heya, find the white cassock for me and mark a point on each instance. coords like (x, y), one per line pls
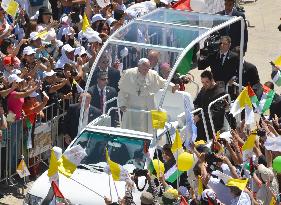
(137, 92)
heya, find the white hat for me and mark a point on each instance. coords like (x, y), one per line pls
(13, 78)
(65, 20)
(67, 31)
(110, 20)
(28, 51)
(34, 36)
(59, 43)
(94, 38)
(97, 17)
(80, 51)
(68, 48)
(51, 35)
(48, 74)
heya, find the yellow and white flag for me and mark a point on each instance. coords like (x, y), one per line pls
(10, 6)
(250, 142)
(118, 172)
(177, 146)
(56, 154)
(85, 23)
(242, 102)
(70, 159)
(22, 169)
(239, 183)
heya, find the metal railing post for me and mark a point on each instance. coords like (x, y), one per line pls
(210, 113)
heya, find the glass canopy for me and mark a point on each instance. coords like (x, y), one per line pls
(174, 34)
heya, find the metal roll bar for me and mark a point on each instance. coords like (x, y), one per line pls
(204, 121)
(107, 102)
(210, 113)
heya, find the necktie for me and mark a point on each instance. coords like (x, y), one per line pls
(221, 59)
(101, 99)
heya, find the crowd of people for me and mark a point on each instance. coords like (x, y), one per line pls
(46, 60)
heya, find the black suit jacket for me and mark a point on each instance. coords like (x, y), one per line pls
(220, 72)
(95, 101)
(234, 31)
(113, 78)
(250, 74)
(71, 119)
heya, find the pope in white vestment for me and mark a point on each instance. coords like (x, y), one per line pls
(137, 89)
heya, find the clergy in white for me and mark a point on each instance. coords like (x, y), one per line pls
(137, 89)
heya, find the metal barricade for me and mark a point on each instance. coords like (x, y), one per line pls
(14, 142)
(226, 96)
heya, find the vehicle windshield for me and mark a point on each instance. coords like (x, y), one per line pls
(122, 150)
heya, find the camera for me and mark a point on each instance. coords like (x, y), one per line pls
(219, 106)
(211, 45)
(211, 158)
(140, 172)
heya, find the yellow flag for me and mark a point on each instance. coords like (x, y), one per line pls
(200, 186)
(42, 34)
(22, 169)
(115, 168)
(218, 135)
(273, 201)
(158, 119)
(53, 166)
(70, 159)
(250, 143)
(239, 183)
(278, 61)
(244, 99)
(85, 23)
(12, 8)
(177, 145)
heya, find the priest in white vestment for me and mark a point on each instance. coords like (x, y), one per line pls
(137, 89)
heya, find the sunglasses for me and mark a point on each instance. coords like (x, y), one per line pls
(103, 79)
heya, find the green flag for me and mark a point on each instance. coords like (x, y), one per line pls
(185, 65)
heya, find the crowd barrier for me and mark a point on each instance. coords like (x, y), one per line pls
(15, 138)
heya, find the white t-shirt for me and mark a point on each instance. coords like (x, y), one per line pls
(243, 199)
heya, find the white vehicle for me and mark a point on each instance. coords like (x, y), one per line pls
(124, 146)
(173, 33)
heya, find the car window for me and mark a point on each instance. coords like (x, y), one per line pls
(122, 150)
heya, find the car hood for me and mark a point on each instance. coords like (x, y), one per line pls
(78, 188)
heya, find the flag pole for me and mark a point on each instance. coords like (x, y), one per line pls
(116, 190)
(87, 187)
(23, 170)
(109, 187)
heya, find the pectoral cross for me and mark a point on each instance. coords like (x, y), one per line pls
(139, 92)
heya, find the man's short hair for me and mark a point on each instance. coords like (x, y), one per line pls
(227, 38)
(207, 74)
(269, 84)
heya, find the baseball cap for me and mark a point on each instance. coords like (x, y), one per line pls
(13, 78)
(110, 20)
(34, 36)
(80, 51)
(28, 51)
(68, 48)
(67, 31)
(97, 17)
(48, 74)
(7, 60)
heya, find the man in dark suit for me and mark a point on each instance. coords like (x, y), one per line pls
(234, 30)
(100, 94)
(113, 74)
(250, 74)
(208, 93)
(71, 119)
(224, 63)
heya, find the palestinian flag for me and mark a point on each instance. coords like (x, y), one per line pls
(253, 97)
(182, 5)
(266, 99)
(172, 174)
(156, 167)
(276, 77)
(59, 198)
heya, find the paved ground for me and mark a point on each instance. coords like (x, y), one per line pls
(264, 45)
